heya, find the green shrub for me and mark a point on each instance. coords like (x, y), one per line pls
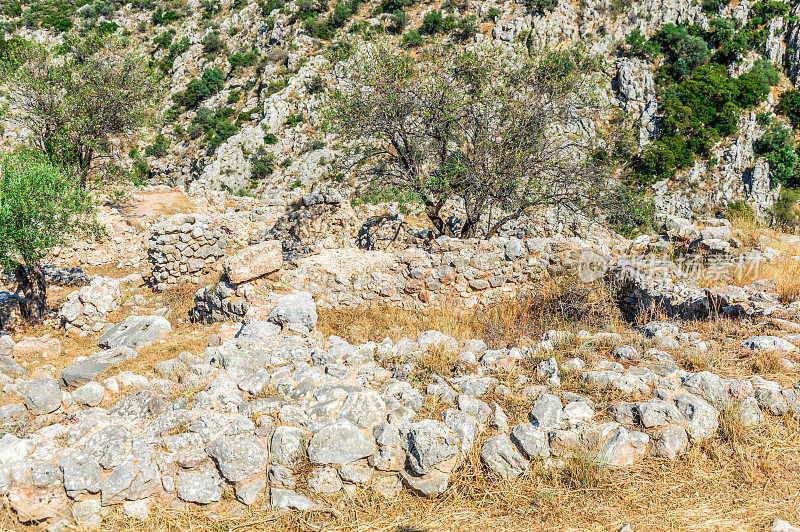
(541, 6)
(315, 85)
(740, 210)
(234, 96)
(777, 145)
(262, 164)
(398, 22)
(433, 22)
(211, 82)
(213, 44)
(270, 139)
(789, 106)
(158, 148)
(375, 194)
(224, 130)
(294, 118)
(241, 60)
(412, 39)
(786, 210)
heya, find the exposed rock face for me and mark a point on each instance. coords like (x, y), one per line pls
(739, 175)
(636, 92)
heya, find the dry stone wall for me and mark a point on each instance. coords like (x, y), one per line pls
(184, 247)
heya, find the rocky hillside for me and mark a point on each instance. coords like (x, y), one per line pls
(244, 82)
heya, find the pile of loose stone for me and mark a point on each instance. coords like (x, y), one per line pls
(86, 310)
(184, 247)
(270, 397)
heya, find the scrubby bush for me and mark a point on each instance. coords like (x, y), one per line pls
(294, 118)
(158, 148)
(412, 39)
(414, 118)
(786, 210)
(789, 106)
(41, 207)
(210, 83)
(777, 145)
(262, 164)
(241, 60)
(213, 44)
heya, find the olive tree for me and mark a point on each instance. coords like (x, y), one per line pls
(40, 208)
(503, 133)
(76, 105)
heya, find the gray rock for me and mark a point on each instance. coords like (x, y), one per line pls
(259, 330)
(81, 475)
(87, 514)
(135, 332)
(339, 443)
(295, 309)
(625, 352)
(660, 329)
(428, 444)
(238, 457)
(324, 480)
(44, 473)
(287, 445)
(465, 427)
(657, 413)
(201, 487)
(669, 442)
(708, 386)
(92, 366)
(703, 419)
(281, 477)
(474, 407)
(254, 261)
(90, 394)
(136, 478)
(502, 458)
(768, 343)
(546, 411)
(248, 492)
(498, 420)
(779, 525)
(532, 441)
(514, 249)
(290, 500)
(41, 396)
(431, 485)
(364, 409)
(9, 367)
(624, 448)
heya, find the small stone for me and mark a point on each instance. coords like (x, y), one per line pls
(90, 394)
(546, 411)
(324, 480)
(669, 442)
(339, 443)
(502, 458)
(290, 500)
(41, 396)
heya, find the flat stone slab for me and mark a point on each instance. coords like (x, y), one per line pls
(254, 261)
(136, 332)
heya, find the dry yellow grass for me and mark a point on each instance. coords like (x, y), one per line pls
(713, 487)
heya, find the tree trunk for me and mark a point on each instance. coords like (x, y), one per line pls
(469, 227)
(32, 282)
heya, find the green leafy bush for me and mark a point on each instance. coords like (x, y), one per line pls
(270, 139)
(158, 148)
(294, 118)
(786, 210)
(211, 82)
(777, 145)
(241, 60)
(262, 164)
(412, 39)
(213, 44)
(789, 106)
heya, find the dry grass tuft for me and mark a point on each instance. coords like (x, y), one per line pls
(583, 472)
(732, 427)
(766, 362)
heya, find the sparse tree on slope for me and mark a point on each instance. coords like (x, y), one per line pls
(40, 208)
(502, 136)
